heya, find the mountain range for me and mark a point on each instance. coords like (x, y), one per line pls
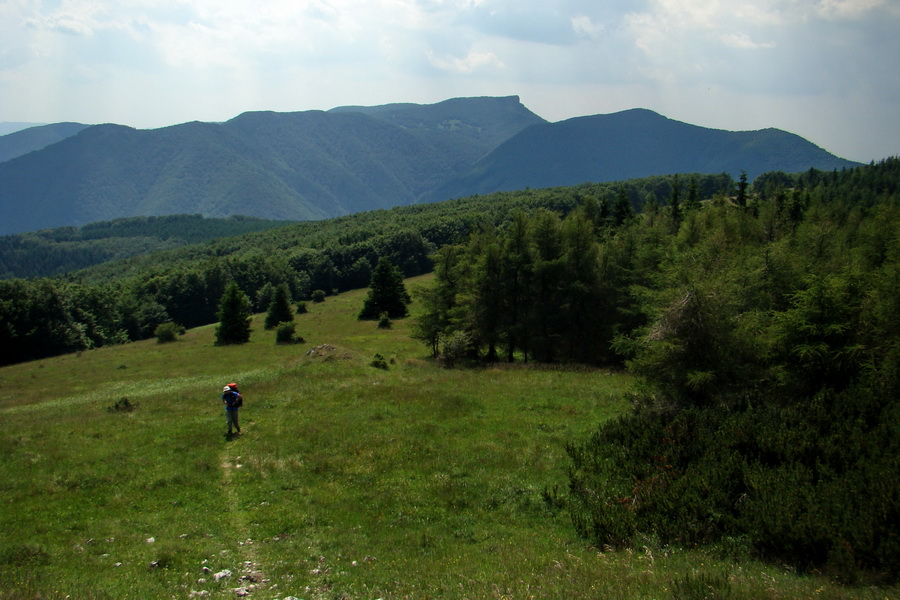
(321, 164)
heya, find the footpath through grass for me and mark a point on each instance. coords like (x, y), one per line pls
(348, 481)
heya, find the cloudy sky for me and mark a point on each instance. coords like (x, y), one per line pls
(825, 69)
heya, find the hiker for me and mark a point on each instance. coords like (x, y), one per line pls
(232, 400)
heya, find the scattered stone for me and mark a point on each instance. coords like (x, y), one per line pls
(154, 564)
(201, 581)
(320, 350)
(223, 574)
(150, 540)
(118, 564)
(241, 592)
(201, 593)
(206, 569)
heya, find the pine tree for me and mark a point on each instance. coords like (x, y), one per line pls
(675, 202)
(280, 310)
(742, 190)
(693, 199)
(622, 209)
(387, 294)
(234, 316)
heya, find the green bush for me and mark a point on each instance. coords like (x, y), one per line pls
(122, 405)
(318, 296)
(286, 333)
(168, 332)
(455, 348)
(384, 321)
(379, 362)
(809, 487)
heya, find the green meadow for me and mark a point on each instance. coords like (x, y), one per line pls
(348, 481)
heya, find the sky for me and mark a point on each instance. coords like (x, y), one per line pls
(828, 70)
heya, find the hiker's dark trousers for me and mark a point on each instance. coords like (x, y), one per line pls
(231, 419)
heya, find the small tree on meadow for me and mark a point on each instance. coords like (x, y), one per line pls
(234, 316)
(387, 293)
(280, 310)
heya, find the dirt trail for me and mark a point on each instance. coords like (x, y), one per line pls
(251, 577)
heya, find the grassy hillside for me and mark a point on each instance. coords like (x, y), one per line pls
(348, 482)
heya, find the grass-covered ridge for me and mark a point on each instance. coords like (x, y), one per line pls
(349, 481)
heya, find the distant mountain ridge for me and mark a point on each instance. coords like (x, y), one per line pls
(320, 164)
(7, 127)
(632, 144)
(34, 138)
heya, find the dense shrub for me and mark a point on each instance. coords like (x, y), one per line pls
(168, 332)
(768, 413)
(286, 333)
(379, 362)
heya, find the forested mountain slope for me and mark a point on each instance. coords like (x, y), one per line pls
(50, 252)
(316, 164)
(630, 144)
(306, 165)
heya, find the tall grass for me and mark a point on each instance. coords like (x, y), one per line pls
(348, 481)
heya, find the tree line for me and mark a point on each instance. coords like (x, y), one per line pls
(52, 252)
(126, 300)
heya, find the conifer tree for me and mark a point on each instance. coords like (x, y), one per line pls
(280, 310)
(675, 201)
(622, 209)
(387, 294)
(742, 190)
(234, 316)
(693, 199)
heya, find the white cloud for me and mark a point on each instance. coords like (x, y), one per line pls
(744, 42)
(472, 62)
(585, 27)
